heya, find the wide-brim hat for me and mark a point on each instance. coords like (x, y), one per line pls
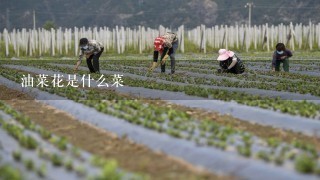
(224, 54)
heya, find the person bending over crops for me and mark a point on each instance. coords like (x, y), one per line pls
(281, 55)
(229, 62)
(92, 49)
(165, 45)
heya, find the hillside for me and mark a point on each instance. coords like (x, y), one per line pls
(153, 12)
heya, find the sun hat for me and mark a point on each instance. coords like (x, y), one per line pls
(224, 54)
(158, 43)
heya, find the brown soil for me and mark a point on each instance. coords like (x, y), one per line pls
(261, 131)
(130, 156)
(256, 129)
(110, 148)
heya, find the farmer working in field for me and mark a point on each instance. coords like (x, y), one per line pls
(165, 45)
(229, 62)
(92, 50)
(281, 55)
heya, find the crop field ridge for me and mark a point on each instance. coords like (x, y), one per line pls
(210, 158)
(108, 145)
(257, 115)
(197, 123)
(253, 91)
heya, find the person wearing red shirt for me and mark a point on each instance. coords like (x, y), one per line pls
(165, 45)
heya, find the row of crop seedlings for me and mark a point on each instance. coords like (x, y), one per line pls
(250, 80)
(253, 75)
(267, 66)
(204, 94)
(38, 147)
(302, 108)
(296, 60)
(179, 124)
(297, 78)
(210, 69)
(211, 65)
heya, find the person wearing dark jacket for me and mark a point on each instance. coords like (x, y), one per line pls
(281, 55)
(92, 49)
(229, 62)
(165, 45)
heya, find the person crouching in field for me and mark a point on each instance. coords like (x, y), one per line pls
(92, 49)
(165, 45)
(281, 55)
(229, 62)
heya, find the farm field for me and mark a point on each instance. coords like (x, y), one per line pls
(126, 123)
